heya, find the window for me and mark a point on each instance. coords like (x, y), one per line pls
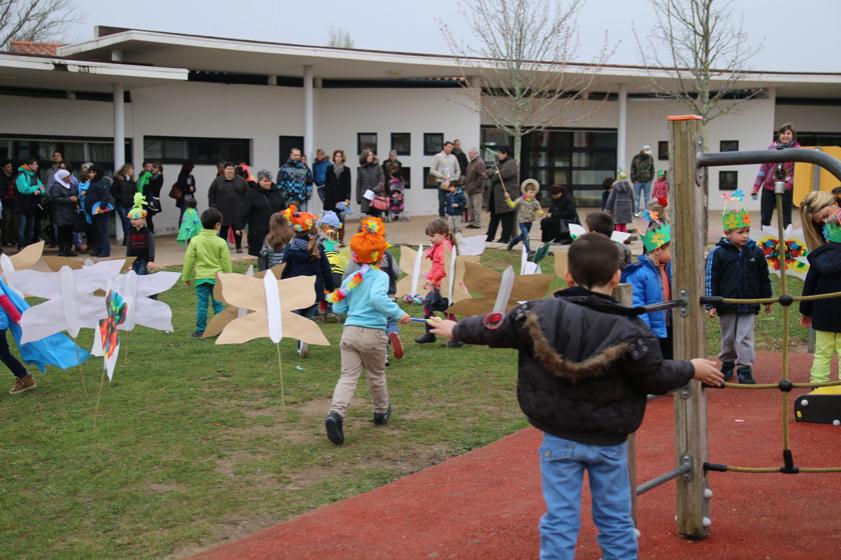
(728, 146)
(402, 142)
(819, 138)
(75, 150)
(429, 181)
(201, 151)
(728, 180)
(663, 150)
(433, 142)
(406, 174)
(285, 145)
(366, 141)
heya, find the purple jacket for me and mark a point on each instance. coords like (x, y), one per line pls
(765, 178)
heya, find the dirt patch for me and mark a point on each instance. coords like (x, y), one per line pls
(260, 412)
(164, 488)
(229, 529)
(227, 465)
(311, 475)
(415, 458)
(315, 407)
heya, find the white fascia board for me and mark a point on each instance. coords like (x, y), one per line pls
(127, 71)
(25, 62)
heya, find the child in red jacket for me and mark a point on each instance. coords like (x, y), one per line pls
(439, 238)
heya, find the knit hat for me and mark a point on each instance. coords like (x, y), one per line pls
(329, 218)
(734, 215)
(301, 222)
(529, 183)
(661, 173)
(368, 246)
(656, 237)
(137, 211)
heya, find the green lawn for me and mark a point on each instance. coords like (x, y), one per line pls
(193, 446)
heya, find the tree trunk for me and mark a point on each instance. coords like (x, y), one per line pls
(518, 144)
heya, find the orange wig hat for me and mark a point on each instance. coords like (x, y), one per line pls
(369, 245)
(301, 222)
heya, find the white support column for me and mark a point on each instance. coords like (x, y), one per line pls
(119, 126)
(309, 114)
(622, 127)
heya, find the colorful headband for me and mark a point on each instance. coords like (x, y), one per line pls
(734, 215)
(657, 237)
(137, 211)
(301, 222)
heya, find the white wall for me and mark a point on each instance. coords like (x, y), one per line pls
(809, 118)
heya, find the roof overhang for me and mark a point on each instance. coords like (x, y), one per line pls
(21, 71)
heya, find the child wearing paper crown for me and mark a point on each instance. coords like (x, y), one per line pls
(439, 239)
(305, 257)
(651, 279)
(141, 242)
(363, 298)
(736, 268)
(329, 226)
(824, 316)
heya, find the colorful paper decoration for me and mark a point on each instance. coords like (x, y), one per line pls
(796, 251)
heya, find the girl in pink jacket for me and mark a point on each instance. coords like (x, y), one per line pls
(439, 238)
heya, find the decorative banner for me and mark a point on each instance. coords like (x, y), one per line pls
(576, 231)
(218, 322)
(487, 282)
(107, 342)
(273, 310)
(796, 251)
(136, 291)
(620, 236)
(526, 266)
(71, 301)
(470, 246)
(414, 266)
(24, 259)
(75, 263)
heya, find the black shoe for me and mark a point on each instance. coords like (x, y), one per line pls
(727, 369)
(471, 226)
(197, 334)
(744, 375)
(454, 344)
(427, 338)
(333, 424)
(381, 418)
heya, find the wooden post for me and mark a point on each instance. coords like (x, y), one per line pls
(623, 293)
(688, 245)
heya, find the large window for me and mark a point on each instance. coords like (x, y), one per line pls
(75, 150)
(201, 151)
(819, 138)
(728, 180)
(366, 141)
(433, 142)
(429, 182)
(402, 142)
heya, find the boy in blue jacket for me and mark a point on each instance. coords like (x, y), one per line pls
(651, 279)
(736, 268)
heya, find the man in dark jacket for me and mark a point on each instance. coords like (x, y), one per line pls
(736, 268)
(8, 192)
(642, 173)
(226, 194)
(504, 177)
(257, 208)
(585, 366)
(463, 162)
(475, 177)
(294, 180)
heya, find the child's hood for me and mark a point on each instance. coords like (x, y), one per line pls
(826, 259)
(299, 247)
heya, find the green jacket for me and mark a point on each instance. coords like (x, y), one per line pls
(206, 255)
(24, 181)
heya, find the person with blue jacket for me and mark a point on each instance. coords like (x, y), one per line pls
(320, 167)
(736, 268)
(30, 190)
(294, 179)
(363, 297)
(651, 280)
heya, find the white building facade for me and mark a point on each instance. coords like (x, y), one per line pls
(205, 99)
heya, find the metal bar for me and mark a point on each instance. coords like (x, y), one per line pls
(765, 470)
(777, 385)
(684, 468)
(662, 306)
(716, 300)
(771, 156)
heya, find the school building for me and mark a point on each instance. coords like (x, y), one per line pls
(177, 97)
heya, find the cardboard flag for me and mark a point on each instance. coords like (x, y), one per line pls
(526, 266)
(487, 283)
(142, 310)
(470, 246)
(23, 259)
(106, 342)
(218, 322)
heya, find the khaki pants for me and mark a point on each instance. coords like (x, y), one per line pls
(454, 222)
(474, 209)
(362, 348)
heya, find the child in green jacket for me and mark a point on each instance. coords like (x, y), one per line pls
(206, 255)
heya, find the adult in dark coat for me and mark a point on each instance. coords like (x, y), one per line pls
(98, 206)
(187, 183)
(392, 165)
(123, 190)
(338, 183)
(504, 177)
(226, 194)
(64, 199)
(152, 192)
(562, 212)
(369, 176)
(8, 192)
(463, 160)
(257, 207)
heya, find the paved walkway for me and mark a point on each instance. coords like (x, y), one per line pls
(486, 504)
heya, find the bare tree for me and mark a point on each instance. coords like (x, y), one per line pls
(340, 39)
(34, 20)
(520, 58)
(706, 50)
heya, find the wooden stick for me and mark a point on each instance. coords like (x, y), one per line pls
(79, 366)
(125, 344)
(280, 372)
(234, 360)
(99, 395)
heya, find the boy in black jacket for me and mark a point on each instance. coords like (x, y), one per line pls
(736, 268)
(586, 365)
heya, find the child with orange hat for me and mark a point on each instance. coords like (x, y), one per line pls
(363, 297)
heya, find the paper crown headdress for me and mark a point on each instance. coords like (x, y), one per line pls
(734, 215)
(137, 211)
(657, 236)
(301, 222)
(369, 244)
(832, 232)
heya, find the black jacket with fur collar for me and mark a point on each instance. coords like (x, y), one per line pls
(586, 364)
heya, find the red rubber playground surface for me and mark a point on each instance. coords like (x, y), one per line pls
(486, 504)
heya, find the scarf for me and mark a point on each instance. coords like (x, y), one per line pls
(784, 146)
(341, 293)
(338, 169)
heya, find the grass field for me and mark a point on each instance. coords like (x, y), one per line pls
(193, 447)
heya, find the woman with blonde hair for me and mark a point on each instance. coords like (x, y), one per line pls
(815, 210)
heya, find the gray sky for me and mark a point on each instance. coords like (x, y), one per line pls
(810, 40)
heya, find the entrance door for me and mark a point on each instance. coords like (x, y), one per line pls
(286, 143)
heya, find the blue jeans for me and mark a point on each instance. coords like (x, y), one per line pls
(525, 230)
(392, 326)
(139, 267)
(122, 214)
(100, 228)
(442, 202)
(642, 188)
(562, 466)
(26, 226)
(203, 293)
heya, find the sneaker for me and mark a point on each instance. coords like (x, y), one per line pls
(638, 214)
(454, 344)
(23, 384)
(333, 425)
(303, 349)
(744, 375)
(197, 334)
(387, 362)
(396, 345)
(727, 369)
(381, 418)
(427, 338)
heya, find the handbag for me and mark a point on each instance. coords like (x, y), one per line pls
(176, 192)
(154, 205)
(380, 202)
